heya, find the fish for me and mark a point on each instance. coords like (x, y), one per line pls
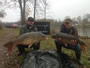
(29, 39)
(66, 38)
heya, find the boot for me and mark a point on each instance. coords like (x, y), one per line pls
(20, 53)
(79, 62)
(78, 56)
(21, 49)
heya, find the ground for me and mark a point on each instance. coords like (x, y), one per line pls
(13, 61)
(7, 60)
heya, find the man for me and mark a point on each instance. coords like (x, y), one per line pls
(28, 27)
(69, 29)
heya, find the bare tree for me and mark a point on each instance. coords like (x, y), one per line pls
(74, 21)
(2, 13)
(79, 20)
(28, 12)
(35, 3)
(42, 8)
(45, 5)
(87, 18)
(23, 6)
(2, 7)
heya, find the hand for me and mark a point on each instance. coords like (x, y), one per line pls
(73, 42)
(59, 39)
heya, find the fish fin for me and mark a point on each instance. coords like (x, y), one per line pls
(29, 45)
(83, 47)
(9, 46)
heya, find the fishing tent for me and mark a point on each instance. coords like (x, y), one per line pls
(47, 59)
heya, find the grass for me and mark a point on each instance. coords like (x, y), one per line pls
(86, 55)
(17, 31)
(2, 33)
(47, 44)
(5, 31)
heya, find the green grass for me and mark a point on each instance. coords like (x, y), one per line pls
(2, 33)
(17, 31)
(5, 31)
(47, 44)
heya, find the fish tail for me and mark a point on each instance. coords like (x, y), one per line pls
(9, 46)
(83, 46)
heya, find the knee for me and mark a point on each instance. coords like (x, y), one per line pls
(19, 46)
(59, 43)
(78, 48)
(38, 43)
(36, 47)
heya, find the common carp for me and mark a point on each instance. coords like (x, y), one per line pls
(26, 39)
(66, 38)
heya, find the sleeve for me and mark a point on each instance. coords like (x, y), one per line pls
(22, 31)
(75, 32)
(61, 28)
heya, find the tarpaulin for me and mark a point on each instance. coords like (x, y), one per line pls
(47, 59)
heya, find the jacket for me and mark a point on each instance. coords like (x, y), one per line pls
(73, 31)
(26, 28)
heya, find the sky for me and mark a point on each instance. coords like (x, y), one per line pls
(58, 9)
(72, 8)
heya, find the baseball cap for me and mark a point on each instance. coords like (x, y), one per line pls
(30, 19)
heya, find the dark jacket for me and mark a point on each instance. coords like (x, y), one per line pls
(26, 28)
(73, 31)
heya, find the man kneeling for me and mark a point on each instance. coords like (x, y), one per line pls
(69, 29)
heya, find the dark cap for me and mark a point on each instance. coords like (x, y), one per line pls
(67, 20)
(30, 19)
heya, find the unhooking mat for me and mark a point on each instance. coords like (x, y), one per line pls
(47, 59)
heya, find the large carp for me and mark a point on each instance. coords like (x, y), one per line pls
(66, 38)
(26, 39)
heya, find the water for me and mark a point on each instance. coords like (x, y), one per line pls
(84, 31)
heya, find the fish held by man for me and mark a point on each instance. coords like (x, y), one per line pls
(66, 38)
(26, 39)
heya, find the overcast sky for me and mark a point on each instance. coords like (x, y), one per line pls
(58, 9)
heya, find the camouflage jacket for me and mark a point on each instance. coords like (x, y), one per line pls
(26, 28)
(73, 31)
